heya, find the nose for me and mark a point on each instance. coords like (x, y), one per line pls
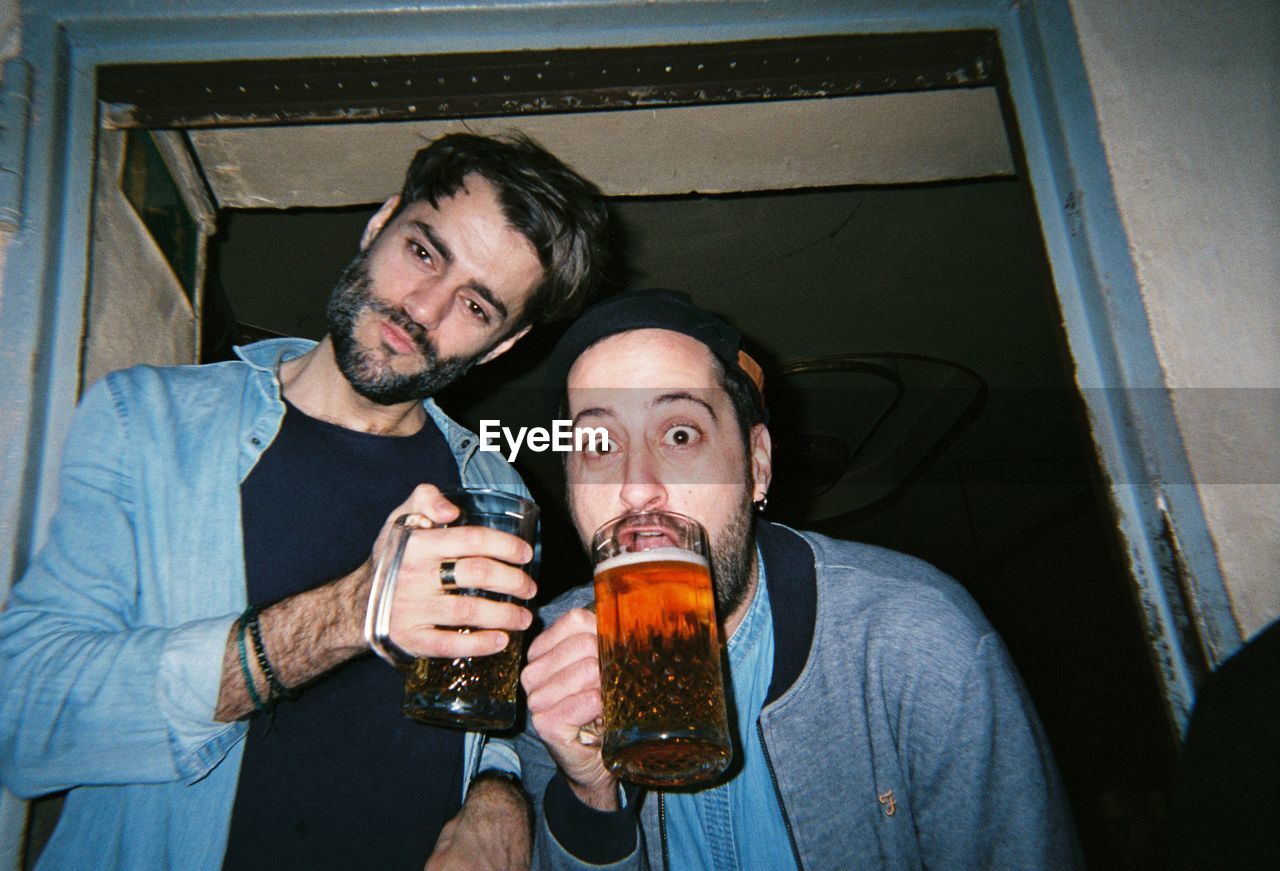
(642, 486)
(427, 305)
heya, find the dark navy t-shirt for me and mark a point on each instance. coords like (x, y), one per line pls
(341, 779)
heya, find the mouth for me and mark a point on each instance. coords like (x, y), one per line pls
(397, 339)
(645, 536)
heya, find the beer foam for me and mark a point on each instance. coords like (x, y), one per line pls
(675, 554)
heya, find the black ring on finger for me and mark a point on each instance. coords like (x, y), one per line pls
(447, 576)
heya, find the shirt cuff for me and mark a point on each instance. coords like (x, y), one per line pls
(593, 836)
(499, 755)
(187, 686)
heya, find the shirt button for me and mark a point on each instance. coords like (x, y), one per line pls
(255, 440)
(465, 443)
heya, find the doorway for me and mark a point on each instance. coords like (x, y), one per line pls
(1056, 485)
(1011, 503)
(939, 280)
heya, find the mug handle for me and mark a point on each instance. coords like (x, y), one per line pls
(377, 618)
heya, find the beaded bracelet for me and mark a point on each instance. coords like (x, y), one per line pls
(276, 689)
(258, 704)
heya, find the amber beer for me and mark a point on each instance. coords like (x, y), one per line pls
(664, 707)
(472, 692)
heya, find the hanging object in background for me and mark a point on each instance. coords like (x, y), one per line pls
(851, 429)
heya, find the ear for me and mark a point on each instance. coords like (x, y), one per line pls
(505, 345)
(379, 219)
(761, 445)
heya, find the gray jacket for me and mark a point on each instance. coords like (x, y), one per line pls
(897, 729)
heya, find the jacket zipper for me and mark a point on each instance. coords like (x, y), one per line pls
(777, 793)
(662, 829)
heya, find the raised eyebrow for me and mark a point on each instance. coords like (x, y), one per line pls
(436, 242)
(594, 412)
(684, 396)
(446, 255)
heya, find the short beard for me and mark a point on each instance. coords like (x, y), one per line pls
(732, 556)
(368, 375)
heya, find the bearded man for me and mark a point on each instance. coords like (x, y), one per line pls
(193, 732)
(879, 720)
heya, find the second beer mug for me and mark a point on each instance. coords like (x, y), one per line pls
(473, 692)
(664, 709)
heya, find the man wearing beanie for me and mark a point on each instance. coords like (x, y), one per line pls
(879, 720)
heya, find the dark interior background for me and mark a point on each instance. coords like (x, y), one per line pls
(922, 399)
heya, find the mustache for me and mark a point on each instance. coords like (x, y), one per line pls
(417, 334)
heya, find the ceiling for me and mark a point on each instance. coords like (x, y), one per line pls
(875, 139)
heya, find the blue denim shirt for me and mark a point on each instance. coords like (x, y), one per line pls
(111, 645)
(737, 824)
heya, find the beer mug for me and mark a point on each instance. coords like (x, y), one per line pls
(664, 710)
(472, 692)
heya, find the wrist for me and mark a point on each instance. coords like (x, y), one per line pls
(351, 601)
(592, 835)
(311, 632)
(601, 795)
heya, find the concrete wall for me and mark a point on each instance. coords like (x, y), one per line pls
(1188, 101)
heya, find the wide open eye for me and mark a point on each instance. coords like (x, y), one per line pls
(681, 436)
(595, 447)
(603, 448)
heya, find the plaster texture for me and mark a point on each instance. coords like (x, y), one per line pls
(1188, 103)
(870, 140)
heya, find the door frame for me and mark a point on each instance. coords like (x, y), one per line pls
(1173, 563)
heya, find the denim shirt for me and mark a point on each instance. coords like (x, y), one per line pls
(737, 824)
(111, 645)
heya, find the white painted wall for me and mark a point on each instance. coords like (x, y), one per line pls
(1188, 102)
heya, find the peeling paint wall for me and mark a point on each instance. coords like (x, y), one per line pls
(137, 312)
(1188, 102)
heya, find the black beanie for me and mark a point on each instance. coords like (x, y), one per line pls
(659, 309)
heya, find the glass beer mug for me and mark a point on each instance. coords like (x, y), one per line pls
(664, 708)
(472, 692)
